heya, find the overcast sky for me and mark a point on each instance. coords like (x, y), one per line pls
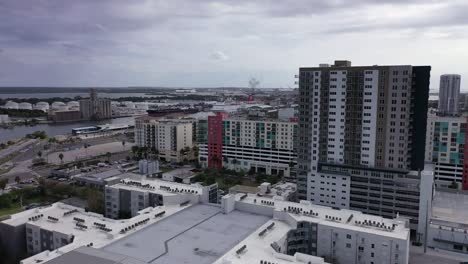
(203, 43)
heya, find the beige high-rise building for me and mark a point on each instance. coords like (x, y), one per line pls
(168, 137)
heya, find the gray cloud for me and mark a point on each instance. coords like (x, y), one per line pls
(219, 55)
(144, 41)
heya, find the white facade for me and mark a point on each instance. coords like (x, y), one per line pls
(449, 92)
(369, 117)
(168, 137)
(330, 190)
(336, 113)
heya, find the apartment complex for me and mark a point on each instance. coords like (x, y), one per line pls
(260, 146)
(449, 93)
(445, 139)
(359, 138)
(95, 108)
(243, 229)
(167, 137)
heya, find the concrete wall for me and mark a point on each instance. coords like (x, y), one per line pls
(12, 243)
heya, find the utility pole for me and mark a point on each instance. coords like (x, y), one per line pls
(425, 231)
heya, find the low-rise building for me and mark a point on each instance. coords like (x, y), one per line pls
(244, 229)
(65, 115)
(448, 225)
(126, 198)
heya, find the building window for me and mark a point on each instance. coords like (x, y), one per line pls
(348, 236)
(348, 245)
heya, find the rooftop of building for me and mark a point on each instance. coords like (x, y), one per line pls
(91, 255)
(66, 222)
(258, 247)
(198, 235)
(158, 186)
(281, 189)
(339, 218)
(450, 208)
(182, 173)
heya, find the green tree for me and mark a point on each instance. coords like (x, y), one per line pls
(17, 179)
(61, 157)
(39, 154)
(108, 155)
(135, 150)
(3, 183)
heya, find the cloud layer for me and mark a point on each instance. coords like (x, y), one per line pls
(220, 43)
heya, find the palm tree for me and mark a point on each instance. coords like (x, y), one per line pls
(135, 149)
(61, 157)
(123, 145)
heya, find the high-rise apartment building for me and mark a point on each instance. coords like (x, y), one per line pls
(445, 147)
(263, 146)
(167, 137)
(449, 92)
(95, 108)
(361, 138)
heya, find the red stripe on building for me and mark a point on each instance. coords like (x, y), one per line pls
(215, 140)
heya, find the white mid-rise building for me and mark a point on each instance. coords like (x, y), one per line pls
(170, 138)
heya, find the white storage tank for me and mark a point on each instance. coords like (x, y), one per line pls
(59, 106)
(129, 104)
(25, 106)
(11, 105)
(43, 106)
(141, 105)
(73, 105)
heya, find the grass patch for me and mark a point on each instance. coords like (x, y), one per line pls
(11, 210)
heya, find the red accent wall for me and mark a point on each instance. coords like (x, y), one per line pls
(465, 162)
(215, 140)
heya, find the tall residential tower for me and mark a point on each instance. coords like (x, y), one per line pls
(449, 92)
(361, 138)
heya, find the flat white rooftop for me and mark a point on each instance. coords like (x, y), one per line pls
(158, 186)
(92, 234)
(259, 248)
(341, 218)
(199, 235)
(450, 207)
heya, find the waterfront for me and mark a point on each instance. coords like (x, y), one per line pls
(56, 129)
(69, 95)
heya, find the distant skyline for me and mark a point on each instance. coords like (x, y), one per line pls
(208, 43)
